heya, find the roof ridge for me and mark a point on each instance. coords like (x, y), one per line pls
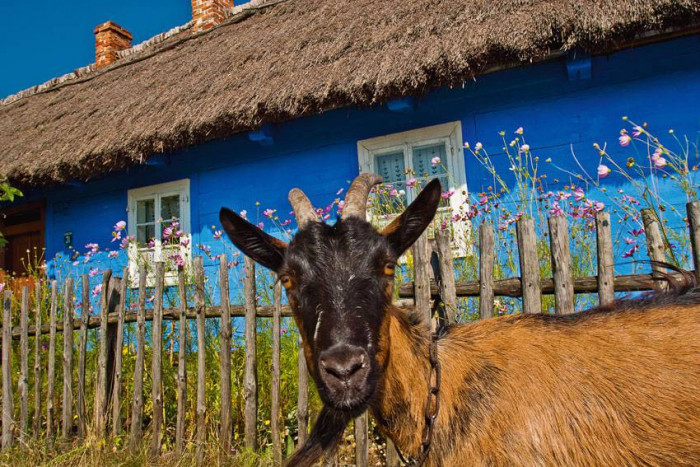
(137, 52)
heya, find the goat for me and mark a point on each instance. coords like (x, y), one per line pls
(610, 386)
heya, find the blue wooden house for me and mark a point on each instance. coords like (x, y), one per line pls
(245, 102)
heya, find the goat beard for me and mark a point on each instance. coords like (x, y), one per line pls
(325, 436)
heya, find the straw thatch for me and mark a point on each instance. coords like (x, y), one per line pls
(295, 58)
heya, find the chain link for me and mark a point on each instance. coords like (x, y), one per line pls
(432, 407)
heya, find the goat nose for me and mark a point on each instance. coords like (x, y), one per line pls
(344, 363)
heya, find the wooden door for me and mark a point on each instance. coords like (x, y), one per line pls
(23, 228)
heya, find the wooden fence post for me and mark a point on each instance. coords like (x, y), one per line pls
(51, 374)
(225, 356)
(250, 384)
(67, 422)
(181, 364)
(100, 412)
(561, 265)
(529, 266)
(421, 269)
(37, 362)
(392, 455)
(82, 354)
(606, 269)
(157, 360)
(303, 397)
(448, 292)
(7, 402)
(118, 356)
(275, 392)
(486, 279)
(201, 357)
(655, 244)
(693, 210)
(23, 383)
(361, 440)
(136, 429)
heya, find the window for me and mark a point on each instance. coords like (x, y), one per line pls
(159, 220)
(401, 157)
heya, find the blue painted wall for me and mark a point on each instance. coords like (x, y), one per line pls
(658, 83)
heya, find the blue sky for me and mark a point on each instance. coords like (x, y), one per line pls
(43, 39)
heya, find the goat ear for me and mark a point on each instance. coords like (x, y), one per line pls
(256, 244)
(406, 228)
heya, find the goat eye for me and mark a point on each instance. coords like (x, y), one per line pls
(286, 282)
(389, 269)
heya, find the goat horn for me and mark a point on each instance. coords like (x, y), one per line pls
(303, 210)
(356, 199)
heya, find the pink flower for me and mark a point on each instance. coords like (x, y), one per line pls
(525, 148)
(178, 259)
(93, 247)
(478, 146)
(97, 290)
(152, 243)
(116, 236)
(435, 161)
(167, 232)
(637, 131)
(556, 209)
(93, 272)
(625, 140)
(659, 162)
(630, 241)
(119, 226)
(286, 222)
(637, 232)
(394, 193)
(629, 253)
(579, 194)
(261, 225)
(339, 191)
(113, 254)
(268, 213)
(411, 182)
(447, 194)
(243, 214)
(519, 131)
(126, 240)
(603, 171)
(218, 234)
(184, 241)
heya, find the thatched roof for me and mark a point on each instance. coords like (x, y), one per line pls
(296, 58)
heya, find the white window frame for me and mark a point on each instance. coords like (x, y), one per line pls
(449, 133)
(158, 252)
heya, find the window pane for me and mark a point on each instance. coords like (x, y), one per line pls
(391, 167)
(423, 157)
(170, 207)
(425, 169)
(144, 233)
(145, 211)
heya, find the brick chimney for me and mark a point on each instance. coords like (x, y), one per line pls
(208, 13)
(110, 38)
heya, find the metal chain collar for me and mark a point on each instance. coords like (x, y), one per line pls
(432, 406)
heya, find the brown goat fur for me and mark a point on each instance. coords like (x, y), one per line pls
(619, 386)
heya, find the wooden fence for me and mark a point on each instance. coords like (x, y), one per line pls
(430, 282)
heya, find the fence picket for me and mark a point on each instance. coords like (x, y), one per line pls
(82, 354)
(655, 244)
(201, 357)
(606, 269)
(136, 429)
(486, 260)
(529, 266)
(7, 402)
(23, 381)
(275, 391)
(250, 383)
(693, 210)
(392, 455)
(36, 422)
(361, 440)
(561, 265)
(181, 364)
(225, 356)
(51, 374)
(100, 412)
(157, 361)
(118, 356)
(67, 422)
(448, 292)
(302, 397)
(421, 267)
